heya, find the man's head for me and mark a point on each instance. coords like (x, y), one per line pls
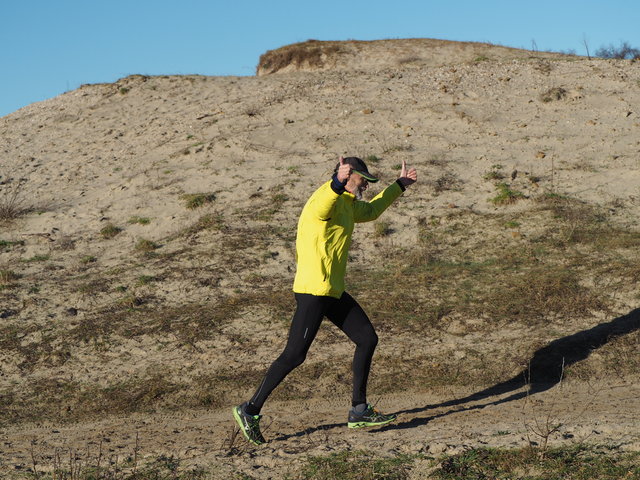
(359, 182)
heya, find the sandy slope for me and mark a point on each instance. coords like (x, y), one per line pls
(107, 153)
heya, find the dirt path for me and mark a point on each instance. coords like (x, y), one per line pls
(429, 423)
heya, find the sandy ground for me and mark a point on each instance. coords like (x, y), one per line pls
(428, 423)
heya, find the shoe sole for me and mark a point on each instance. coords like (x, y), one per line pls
(369, 424)
(240, 423)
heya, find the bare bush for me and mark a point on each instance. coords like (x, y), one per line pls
(623, 52)
(11, 200)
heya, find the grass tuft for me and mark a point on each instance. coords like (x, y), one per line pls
(197, 200)
(110, 231)
(506, 196)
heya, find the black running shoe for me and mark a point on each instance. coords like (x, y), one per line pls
(369, 418)
(249, 424)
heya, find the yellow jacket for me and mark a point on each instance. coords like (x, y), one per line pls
(324, 236)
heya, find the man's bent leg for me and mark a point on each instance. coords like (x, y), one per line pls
(349, 317)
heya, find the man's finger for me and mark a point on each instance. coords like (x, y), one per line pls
(341, 160)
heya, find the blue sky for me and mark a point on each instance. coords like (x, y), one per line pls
(48, 47)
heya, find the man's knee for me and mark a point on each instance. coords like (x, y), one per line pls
(368, 341)
(291, 360)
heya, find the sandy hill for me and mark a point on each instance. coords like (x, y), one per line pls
(147, 249)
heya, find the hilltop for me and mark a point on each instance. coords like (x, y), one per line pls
(147, 254)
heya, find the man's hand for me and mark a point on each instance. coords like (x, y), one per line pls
(408, 177)
(344, 171)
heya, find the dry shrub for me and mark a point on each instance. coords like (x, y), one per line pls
(553, 94)
(312, 53)
(11, 200)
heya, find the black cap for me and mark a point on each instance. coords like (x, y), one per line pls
(359, 167)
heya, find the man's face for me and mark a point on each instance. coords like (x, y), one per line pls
(356, 185)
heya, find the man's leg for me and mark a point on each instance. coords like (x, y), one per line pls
(349, 317)
(309, 313)
(352, 320)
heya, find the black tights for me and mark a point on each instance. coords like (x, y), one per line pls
(348, 316)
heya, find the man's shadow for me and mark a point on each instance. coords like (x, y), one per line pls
(545, 370)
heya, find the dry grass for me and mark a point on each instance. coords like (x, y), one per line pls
(312, 53)
(11, 200)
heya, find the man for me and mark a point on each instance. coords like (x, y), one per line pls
(322, 245)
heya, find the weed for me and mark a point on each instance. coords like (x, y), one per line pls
(145, 279)
(146, 246)
(11, 200)
(448, 181)
(88, 259)
(8, 278)
(506, 195)
(579, 462)
(7, 245)
(206, 222)
(36, 258)
(372, 159)
(139, 220)
(553, 94)
(275, 204)
(110, 231)
(381, 229)
(197, 200)
(357, 465)
(495, 173)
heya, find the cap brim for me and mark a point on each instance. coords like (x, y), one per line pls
(367, 176)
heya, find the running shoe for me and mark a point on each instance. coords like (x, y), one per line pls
(369, 418)
(249, 424)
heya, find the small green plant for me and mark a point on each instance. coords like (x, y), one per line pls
(506, 195)
(88, 259)
(146, 246)
(512, 224)
(372, 159)
(139, 220)
(197, 200)
(145, 279)
(123, 90)
(36, 258)
(110, 231)
(495, 173)
(6, 245)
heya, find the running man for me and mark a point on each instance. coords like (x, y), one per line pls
(322, 246)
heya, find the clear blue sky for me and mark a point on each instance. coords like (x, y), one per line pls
(48, 47)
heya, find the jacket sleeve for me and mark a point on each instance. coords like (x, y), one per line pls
(323, 201)
(368, 211)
